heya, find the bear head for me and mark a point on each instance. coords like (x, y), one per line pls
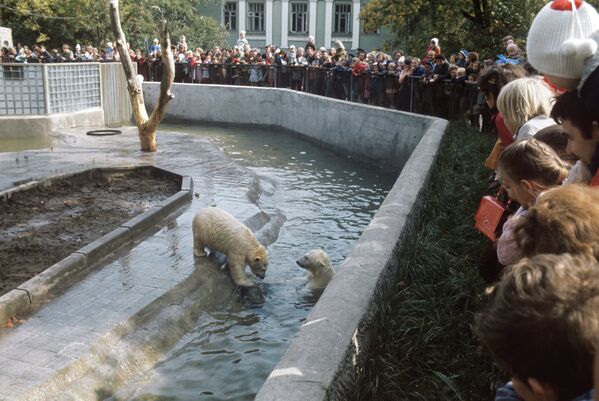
(258, 261)
(315, 261)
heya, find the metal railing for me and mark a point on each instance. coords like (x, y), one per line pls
(446, 99)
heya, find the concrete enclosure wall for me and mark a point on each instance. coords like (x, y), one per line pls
(15, 127)
(378, 136)
(322, 359)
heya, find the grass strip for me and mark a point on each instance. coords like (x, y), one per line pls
(421, 342)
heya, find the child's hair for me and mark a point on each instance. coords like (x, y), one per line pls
(562, 220)
(532, 160)
(569, 106)
(523, 99)
(542, 322)
(472, 57)
(461, 71)
(495, 78)
(555, 138)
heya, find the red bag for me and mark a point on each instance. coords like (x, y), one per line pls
(490, 216)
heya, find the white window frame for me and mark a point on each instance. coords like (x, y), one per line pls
(255, 16)
(299, 17)
(342, 12)
(230, 14)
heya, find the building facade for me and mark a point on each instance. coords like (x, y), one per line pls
(290, 22)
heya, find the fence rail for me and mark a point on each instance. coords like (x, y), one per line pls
(446, 99)
(37, 89)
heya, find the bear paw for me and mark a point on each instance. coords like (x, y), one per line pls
(199, 252)
(245, 283)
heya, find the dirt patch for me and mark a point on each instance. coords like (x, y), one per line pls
(42, 225)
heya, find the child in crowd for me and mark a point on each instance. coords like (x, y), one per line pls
(582, 130)
(541, 325)
(562, 220)
(562, 45)
(555, 138)
(490, 84)
(392, 85)
(525, 169)
(525, 105)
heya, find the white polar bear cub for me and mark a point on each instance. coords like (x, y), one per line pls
(217, 230)
(318, 265)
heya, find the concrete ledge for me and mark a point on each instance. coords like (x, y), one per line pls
(105, 245)
(148, 219)
(187, 184)
(321, 361)
(175, 201)
(13, 303)
(140, 224)
(40, 288)
(15, 127)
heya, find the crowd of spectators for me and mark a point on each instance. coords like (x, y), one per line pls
(374, 77)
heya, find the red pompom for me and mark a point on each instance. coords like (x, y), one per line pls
(564, 5)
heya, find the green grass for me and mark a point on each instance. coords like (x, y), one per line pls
(421, 340)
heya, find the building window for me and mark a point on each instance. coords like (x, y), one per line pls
(299, 17)
(256, 17)
(342, 18)
(230, 11)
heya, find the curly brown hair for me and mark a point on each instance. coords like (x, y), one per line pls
(562, 220)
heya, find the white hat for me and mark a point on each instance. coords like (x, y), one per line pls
(558, 41)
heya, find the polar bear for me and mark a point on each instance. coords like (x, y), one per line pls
(318, 265)
(217, 230)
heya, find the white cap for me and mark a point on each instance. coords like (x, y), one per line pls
(558, 41)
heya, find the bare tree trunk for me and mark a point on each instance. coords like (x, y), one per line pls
(146, 126)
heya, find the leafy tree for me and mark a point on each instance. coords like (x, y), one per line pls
(473, 24)
(54, 22)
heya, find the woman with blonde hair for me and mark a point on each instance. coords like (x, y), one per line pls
(562, 220)
(525, 105)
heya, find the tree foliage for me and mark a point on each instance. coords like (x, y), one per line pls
(472, 24)
(54, 22)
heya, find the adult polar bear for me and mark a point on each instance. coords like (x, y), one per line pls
(217, 230)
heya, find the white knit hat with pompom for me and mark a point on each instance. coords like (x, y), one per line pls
(558, 41)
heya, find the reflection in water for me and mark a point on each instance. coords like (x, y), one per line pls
(313, 199)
